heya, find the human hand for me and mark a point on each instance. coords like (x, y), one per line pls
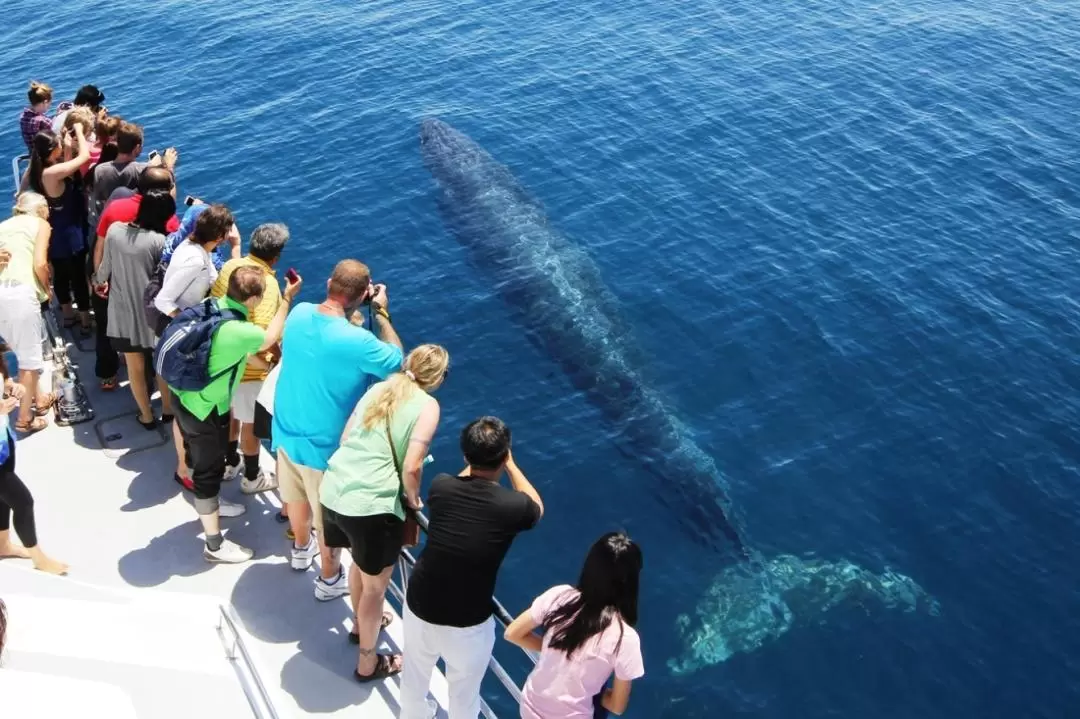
(171, 156)
(413, 501)
(510, 458)
(380, 297)
(233, 236)
(16, 390)
(101, 290)
(8, 405)
(5, 257)
(292, 287)
(200, 202)
(79, 133)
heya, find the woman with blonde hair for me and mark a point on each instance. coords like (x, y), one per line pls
(24, 285)
(372, 480)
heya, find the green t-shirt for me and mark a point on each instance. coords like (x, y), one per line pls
(233, 342)
(361, 480)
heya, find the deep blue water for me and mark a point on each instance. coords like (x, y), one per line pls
(845, 234)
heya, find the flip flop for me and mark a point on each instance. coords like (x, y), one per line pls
(387, 620)
(50, 398)
(384, 667)
(107, 385)
(35, 425)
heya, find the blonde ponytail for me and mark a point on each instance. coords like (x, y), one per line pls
(424, 368)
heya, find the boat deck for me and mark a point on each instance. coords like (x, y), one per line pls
(139, 613)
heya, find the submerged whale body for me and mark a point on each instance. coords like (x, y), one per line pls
(556, 292)
(742, 610)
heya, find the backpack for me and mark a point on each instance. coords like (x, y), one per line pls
(182, 355)
(156, 320)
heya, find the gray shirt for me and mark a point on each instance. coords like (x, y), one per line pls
(130, 257)
(110, 175)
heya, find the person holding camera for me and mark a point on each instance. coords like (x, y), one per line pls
(327, 357)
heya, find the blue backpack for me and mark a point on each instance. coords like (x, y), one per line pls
(182, 355)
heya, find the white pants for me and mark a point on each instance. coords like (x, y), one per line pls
(466, 651)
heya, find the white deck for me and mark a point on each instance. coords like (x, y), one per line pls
(135, 624)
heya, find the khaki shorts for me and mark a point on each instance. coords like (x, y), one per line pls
(297, 483)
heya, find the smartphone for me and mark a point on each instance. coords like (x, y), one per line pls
(189, 200)
(291, 275)
(153, 155)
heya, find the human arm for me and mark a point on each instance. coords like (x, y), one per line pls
(419, 441)
(380, 311)
(234, 242)
(521, 483)
(104, 269)
(617, 697)
(59, 171)
(41, 256)
(521, 632)
(276, 327)
(14, 389)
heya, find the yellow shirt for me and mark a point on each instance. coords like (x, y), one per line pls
(264, 311)
(18, 235)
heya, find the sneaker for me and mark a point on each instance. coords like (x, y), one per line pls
(263, 483)
(232, 471)
(230, 509)
(302, 557)
(327, 591)
(228, 553)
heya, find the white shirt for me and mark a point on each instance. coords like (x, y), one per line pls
(187, 280)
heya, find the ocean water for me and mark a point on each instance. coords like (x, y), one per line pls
(844, 233)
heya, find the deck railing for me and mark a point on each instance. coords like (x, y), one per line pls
(406, 562)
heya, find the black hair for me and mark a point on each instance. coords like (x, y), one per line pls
(44, 144)
(89, 96)
(212, 225)
(607, 590)
(485, 442)
(155, 209)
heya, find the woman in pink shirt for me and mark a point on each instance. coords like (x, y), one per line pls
(588, 636)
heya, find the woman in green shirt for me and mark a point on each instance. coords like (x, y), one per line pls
(369, 479)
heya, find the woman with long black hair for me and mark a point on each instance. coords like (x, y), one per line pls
(16, 502)
(588, 636)
(131, 252)
(54, 164)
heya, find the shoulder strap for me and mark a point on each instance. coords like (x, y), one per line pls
(393, 451)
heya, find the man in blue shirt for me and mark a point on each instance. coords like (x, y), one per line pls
(326, 359)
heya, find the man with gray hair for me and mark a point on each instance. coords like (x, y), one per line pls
(264, 250)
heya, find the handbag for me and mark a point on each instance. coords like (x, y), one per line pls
(411, 530)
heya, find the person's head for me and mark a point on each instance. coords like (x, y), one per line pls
(424, 368)
(105, 128)
(156, 178)
(246, 286)
(80, 116)
(607, 589)
(267, 242)
(89, 96)
(485, 443)
(45, 150)
(155, 209)
(40, 96)
(212, 226)
(350, 284)
(129, 139)
(31, 203)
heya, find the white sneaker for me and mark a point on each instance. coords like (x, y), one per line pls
(228, 553)
(302, 557)
(230, 509)
(232, 471)
(263, 483)
(327, 591)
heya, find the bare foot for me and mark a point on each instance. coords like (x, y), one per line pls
(50, 566)
(13, 551)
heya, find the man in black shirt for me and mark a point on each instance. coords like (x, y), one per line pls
(473, 521)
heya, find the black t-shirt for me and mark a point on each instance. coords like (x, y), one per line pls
(472, 524)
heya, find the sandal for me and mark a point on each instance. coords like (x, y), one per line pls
(107, 385)
(35, 425)
(384, 667)
(42, 408)
(387, 619)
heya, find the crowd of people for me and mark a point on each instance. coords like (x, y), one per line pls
(349, 414)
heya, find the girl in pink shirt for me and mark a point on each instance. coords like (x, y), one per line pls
(588, 636)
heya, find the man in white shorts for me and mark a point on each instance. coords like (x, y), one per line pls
(264, 250)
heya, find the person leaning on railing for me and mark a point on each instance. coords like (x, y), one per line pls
(24, 285)
(370, 481)
(472, 522)
(588, 636)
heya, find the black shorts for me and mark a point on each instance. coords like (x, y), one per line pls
(124, 345)
(263, 424)
(374, 542)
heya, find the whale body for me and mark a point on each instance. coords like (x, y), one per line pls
(748, 606)
(556, 292)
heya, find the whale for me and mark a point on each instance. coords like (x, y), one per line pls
(747, 606)
(556, 292)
